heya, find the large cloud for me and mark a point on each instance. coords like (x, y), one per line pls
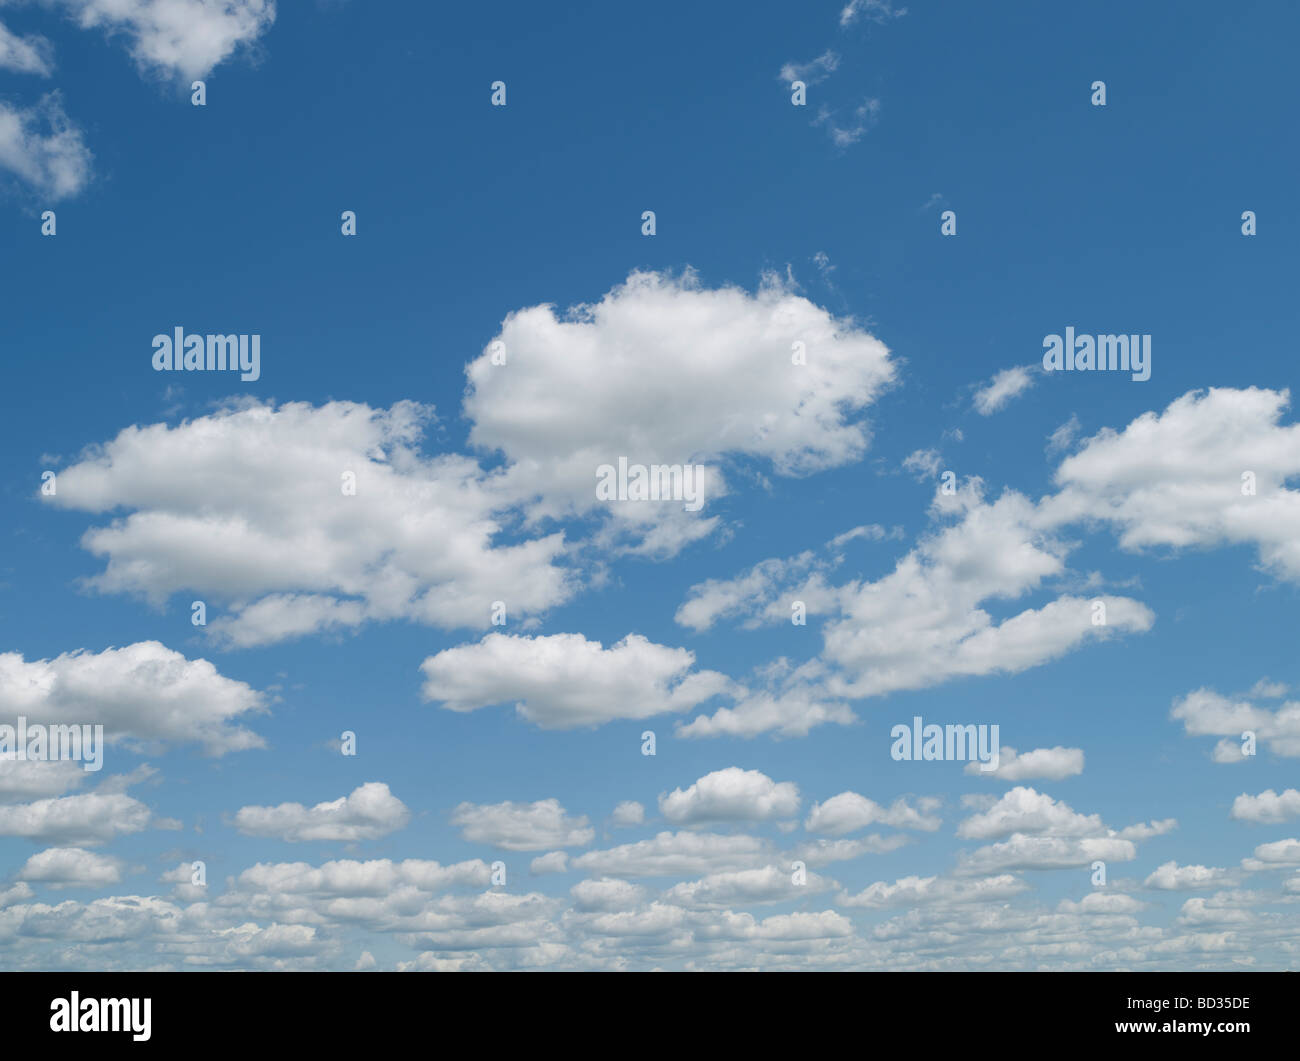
(1175, 478)
(665, 371)
(141, 692)
(247, 505)
(564, 681)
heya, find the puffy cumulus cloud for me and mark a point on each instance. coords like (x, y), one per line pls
(1172, 877)
(564, 681)
(917, 891)
(628, 813)
(143, 692)
(1025, 810)
(1268, 807)
(1280, 854)
(680, 854)
(731, 795)
(43, 148)
(1146, 830)
(246, 506)
(770, 884)
(1051, 764)
(522, 826)
(1205, 713)
(849, 812)
(25, 55)
(1175, 478)
(93, 818)
(71, 867)
(368, 812)
(663, 370)
(176, 38)
(554, 862)
(38, 778)
(998, 393)
(1022, 852)
(606, 894)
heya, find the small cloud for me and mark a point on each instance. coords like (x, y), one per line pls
(865, 115)
(813, 71)
(41, 146)
(923, 463)
(1002, 388)
(1063, 437)
(879, 11)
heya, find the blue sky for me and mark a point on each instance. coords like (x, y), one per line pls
(774, 224)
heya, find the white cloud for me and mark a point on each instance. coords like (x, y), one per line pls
(1172, 877)
(872, 10)
(93, 818)
(849, 812)
(41, 146)
(246, 506)
(665, 371)
(140, 692)
(1025, 810)
(628, 813)
(37, 779)
(1280, 854)
(681, 854)
(177, 38)
(1268, 807)
(564, 681)
(1002, 388)
(606, 894)
(923, 463)
(915, 891)
(1052, 764)
(71, 866)
(923, 624)
(368, 812)
(554, 862)
(1175, 478)
(732, 794)
(1207, 713)
(769, 884)
(522, 826)
(25, 55)
(813, 71)
(1021, 852)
